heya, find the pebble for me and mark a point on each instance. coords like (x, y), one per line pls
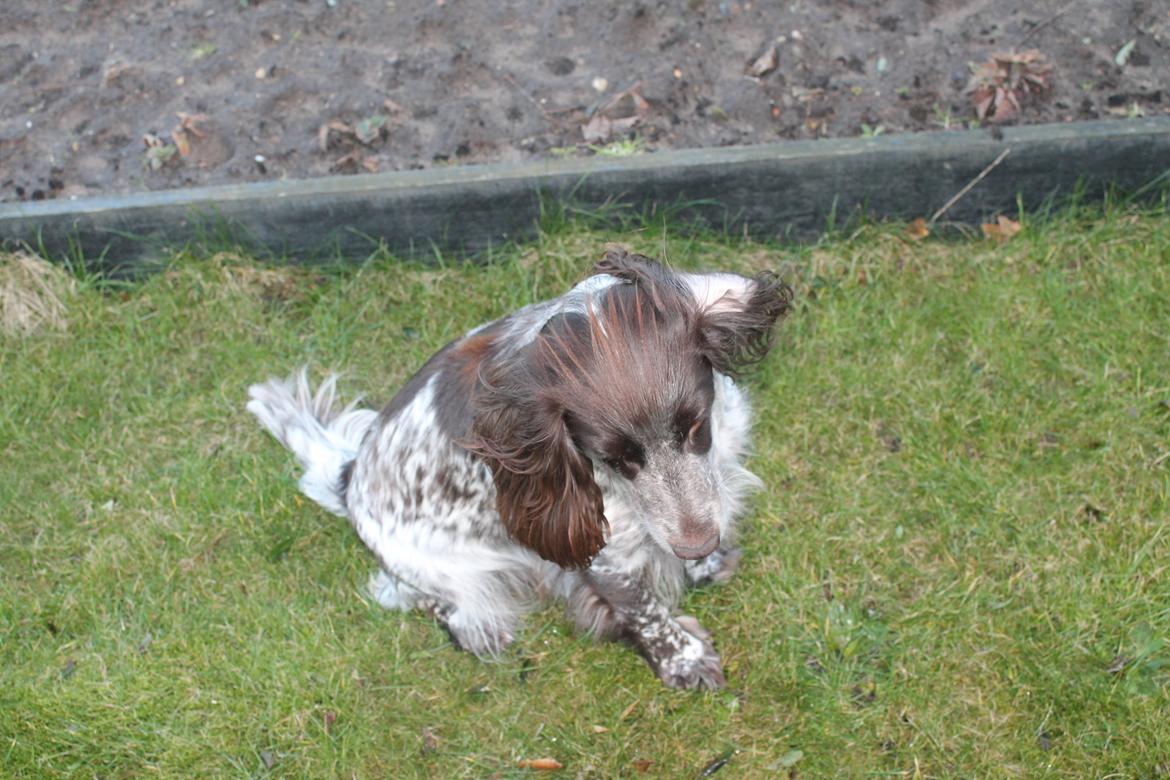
(600, 84)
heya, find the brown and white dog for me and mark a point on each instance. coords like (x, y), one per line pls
(587, 448)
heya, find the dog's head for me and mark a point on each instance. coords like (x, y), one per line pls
(626, 385)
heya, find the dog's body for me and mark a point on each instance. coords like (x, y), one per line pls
(587, 448)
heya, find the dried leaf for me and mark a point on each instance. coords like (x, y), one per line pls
(347, 162)
(189, 123)
(181, 143)
(333, 126)
(765, 63)
(268, 759)
(545, 764)
(917, 230)
(642, 765)
(998, 85)
(621, 113)
(328, 718)
(626, 712)
(597, 130)
(1118, 664)
(1003, 229)
(430, 740)
(600, 730)
(983, 99)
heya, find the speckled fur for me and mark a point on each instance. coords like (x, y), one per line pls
(426, 505)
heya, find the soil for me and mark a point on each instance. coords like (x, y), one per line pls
(270, 89)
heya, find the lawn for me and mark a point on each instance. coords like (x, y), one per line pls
(960, 565)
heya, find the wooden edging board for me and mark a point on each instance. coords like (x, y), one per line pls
(794, 188)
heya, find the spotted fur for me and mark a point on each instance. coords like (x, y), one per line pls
(588, 449)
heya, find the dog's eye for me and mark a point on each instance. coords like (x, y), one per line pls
(629, 460)
(627, 468)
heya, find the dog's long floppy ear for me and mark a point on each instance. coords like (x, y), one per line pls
(545, 491)
(736, 315)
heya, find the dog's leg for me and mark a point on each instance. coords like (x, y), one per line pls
(718, 567)
(677, 648)
(483, 635)
(479, 635)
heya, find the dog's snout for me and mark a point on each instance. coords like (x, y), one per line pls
(698, 546)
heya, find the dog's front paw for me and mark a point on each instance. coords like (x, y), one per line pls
(696, 664)
(718, 567)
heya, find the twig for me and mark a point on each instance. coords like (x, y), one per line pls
(546, 113)
(1028, 36)
(1160, 459)
(959, 195)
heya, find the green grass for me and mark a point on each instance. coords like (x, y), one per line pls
(960, 566)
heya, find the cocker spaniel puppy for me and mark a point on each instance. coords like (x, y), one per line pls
(588, 448)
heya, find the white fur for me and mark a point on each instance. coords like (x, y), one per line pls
(454, 557)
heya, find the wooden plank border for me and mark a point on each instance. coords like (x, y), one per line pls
(793, 188)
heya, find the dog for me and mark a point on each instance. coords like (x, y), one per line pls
(588, 449)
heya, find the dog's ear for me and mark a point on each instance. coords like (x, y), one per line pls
(736, 315)
(545, 491)
(630, 267)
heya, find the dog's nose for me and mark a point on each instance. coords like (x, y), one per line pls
(690, 550)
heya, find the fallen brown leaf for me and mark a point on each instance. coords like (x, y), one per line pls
(597, 130)
(626, 712)
(917, 230)
(998, 85)
(181, 142)
(187, 129)
(545, 764)
(621, 113)
(765, 63)
(1003, 229)
(642, 765)
(348, 163)
(333, 126)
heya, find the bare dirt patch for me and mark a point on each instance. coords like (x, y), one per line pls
(110, 96)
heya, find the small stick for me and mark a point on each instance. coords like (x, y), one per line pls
(1028, 36)
(543, 111)
(959, 195)
(1160, 459)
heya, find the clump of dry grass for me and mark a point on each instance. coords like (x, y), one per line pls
(32, 294)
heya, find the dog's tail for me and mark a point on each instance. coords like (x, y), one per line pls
(324, 439)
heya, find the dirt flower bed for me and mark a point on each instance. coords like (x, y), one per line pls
(108, 96)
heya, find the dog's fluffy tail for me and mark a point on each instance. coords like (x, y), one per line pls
(323, 438)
